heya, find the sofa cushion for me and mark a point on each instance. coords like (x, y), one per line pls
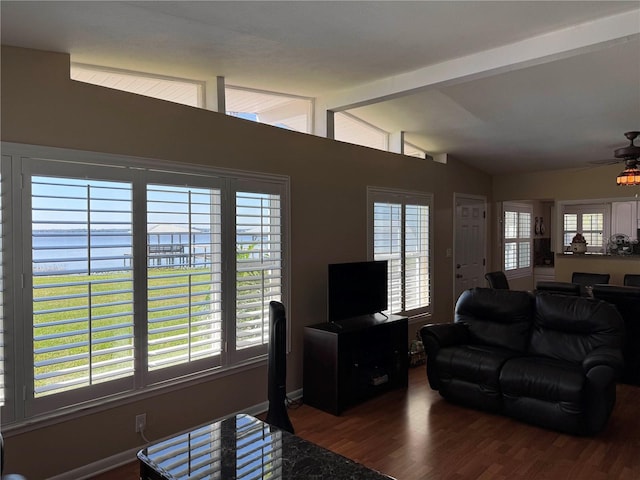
(549, 393)
(499, 318)
(469, 375)
(568, 328)
(542, 378)
(479, 364)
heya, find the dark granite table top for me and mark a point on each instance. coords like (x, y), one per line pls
(243, 448)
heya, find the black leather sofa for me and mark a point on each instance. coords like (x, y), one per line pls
(549, 360)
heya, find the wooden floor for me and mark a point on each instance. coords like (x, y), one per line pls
(415, 434)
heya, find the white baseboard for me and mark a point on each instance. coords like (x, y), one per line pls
(118, 460)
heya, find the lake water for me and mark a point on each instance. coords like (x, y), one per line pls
(67, 250)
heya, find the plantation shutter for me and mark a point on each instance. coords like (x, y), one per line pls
(259, 268)
(183, 275)
(82, 282)
(400, 234)
(417, 279)
(589, 220)
(517, 237)
(387, 245)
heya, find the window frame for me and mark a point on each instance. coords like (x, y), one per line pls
(519, 209)
(19, 339)
(404, 198)
(585, 209)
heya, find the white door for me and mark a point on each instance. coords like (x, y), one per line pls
(469, 258)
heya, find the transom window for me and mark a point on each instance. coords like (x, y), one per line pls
(178, 90)
(399, 232)
(277, 109)
(134, 274)
(349, 128)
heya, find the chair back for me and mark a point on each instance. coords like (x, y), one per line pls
(563, 288)
(631, 280)
(497, 280)
(589, 279)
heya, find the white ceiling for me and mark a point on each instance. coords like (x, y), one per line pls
(505, 86)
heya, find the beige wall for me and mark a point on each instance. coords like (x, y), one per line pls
(42, 106)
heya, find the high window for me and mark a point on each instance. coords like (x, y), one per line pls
(517, 239)
(413, 151)
(589, 220)
(349, 128)
(178, 90)
(136, 273)
(400, 233)
(277, 109)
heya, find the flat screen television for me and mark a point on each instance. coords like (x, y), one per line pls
(357, 288)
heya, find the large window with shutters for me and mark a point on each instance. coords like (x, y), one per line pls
(517, 239)
(400, 233)
(136, 273)
(589, 220)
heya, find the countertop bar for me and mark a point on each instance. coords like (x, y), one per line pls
(599, 256)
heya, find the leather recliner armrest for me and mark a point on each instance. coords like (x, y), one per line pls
(604, 356)
(445, 334)
(439, 335)
(602, 366)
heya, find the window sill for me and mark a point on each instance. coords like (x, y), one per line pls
(99, 405)
(419, 318)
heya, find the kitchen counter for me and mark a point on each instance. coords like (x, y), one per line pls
(615, 265)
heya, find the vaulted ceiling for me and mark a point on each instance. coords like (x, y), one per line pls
(505, 86)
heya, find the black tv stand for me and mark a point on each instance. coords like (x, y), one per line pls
(352, 360)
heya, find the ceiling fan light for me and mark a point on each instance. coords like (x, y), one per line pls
(630, 176)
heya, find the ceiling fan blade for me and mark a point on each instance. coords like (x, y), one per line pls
(608, 161)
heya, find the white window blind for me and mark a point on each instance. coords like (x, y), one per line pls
(258, 265)
(136, 274)
(400, 234)
(184, 274)
(517, 238)
(82, 286)
(387, 245)
(590, 221)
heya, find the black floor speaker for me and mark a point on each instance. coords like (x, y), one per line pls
(277, 382)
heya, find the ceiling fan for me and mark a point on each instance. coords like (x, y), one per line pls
(630, 155)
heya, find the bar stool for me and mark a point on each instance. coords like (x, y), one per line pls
(631, 280)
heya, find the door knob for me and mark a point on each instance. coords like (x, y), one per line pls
(458, 275)
(458, 265)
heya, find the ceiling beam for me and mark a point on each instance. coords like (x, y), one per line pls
(571, 41)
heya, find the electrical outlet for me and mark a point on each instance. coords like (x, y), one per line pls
(141, 422)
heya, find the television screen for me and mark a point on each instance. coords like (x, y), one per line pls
(358, 288)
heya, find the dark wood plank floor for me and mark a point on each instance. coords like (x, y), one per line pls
(414, 434)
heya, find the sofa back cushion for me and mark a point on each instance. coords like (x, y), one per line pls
(569, 328)
(501, 318)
